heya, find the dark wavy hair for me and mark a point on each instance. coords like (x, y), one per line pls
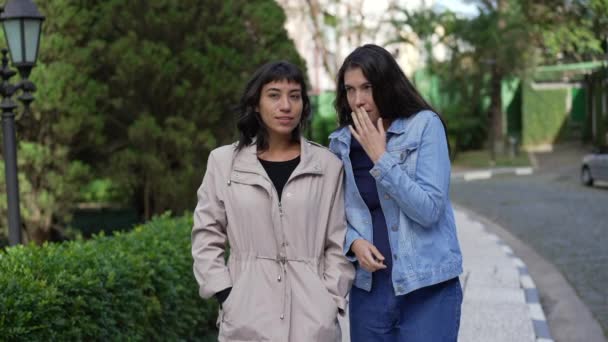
(393, 93)
(250, 124)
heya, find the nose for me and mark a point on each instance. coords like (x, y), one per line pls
(285, 104)
(359, 99)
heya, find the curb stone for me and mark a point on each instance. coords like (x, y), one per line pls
(537, 315)
(473, 175)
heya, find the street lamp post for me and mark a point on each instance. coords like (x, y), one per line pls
(21, 22)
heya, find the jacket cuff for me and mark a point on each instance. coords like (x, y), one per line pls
(351, 236)
(215, 283)
(383, 166)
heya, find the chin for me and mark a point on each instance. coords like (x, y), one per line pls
(283, 130)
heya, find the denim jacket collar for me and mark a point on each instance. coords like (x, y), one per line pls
(342, 135)
(398, 126)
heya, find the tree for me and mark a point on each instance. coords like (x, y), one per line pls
(338, 26)
(62, 120)
(501, 37)
(174, 70)
(482, 52)
(507, 39)
(569, 31)
(138, 92)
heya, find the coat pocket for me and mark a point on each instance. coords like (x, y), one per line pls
(235, 292)
(248, 178)
(323, 307)
(242, 315)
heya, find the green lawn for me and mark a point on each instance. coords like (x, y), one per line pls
(481, 159)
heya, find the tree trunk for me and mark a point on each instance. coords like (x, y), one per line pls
(314, 8)
(496, 138)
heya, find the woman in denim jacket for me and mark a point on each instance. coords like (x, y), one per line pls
(401, 232)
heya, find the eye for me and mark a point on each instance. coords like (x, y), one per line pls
(367, 86)
(296, 96)
(273, 95)
(349, 89)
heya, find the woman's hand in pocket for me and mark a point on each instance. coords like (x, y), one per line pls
(223, 295)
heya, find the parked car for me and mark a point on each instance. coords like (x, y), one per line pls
(595, 166)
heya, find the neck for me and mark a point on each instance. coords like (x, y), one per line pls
(281, 148)
(386, 123)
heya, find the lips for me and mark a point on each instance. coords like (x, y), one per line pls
(284, 119)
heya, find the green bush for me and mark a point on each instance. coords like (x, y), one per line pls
(324, 119)
(132, 286)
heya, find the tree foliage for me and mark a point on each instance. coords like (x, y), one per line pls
(138, 92)
(569, 31)
(507, 39)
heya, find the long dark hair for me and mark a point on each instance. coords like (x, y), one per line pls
(394, 95)
(250, 124)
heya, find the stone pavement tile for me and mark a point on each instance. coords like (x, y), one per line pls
(494, 305)
(496, 322)
(494, 277)
(493, 295)
(480, 256)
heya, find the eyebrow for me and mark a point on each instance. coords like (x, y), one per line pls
(352, 86)
(279, 90)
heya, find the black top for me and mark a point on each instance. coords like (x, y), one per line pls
(366, 185)
(279, 172)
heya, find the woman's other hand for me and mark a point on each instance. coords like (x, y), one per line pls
(368, 255)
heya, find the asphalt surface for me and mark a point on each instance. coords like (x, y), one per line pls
(551, 212)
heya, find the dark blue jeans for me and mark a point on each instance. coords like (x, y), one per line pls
(428, 314)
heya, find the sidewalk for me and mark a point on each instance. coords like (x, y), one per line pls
(501, 302)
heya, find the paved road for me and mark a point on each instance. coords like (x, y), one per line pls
(561, 220)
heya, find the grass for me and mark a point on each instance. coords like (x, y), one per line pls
(480, 159)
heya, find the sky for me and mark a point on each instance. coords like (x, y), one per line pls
(458, 6)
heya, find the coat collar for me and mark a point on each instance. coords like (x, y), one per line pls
(246, 160)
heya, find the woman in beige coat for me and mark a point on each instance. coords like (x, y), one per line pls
(277, 200)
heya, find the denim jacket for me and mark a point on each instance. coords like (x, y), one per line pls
(413, 180)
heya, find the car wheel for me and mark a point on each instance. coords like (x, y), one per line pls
(586, 178)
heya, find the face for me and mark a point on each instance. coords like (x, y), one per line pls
(359, 93)
(281, 107)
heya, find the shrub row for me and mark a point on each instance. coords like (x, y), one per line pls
(132, 286)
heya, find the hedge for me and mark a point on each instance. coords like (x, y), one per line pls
(544, 114)
(131, 286)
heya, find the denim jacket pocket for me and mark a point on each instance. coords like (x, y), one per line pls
(431, 246)
(406, 157)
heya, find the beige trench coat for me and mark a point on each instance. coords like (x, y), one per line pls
(288, 275)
